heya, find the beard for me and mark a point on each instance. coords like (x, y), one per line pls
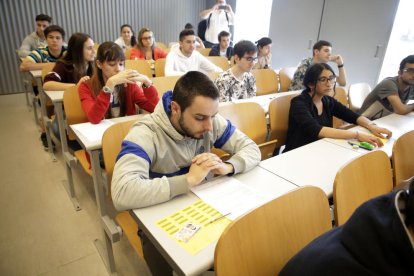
(186, 130)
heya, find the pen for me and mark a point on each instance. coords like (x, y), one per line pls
(216, 219)
(359, 145)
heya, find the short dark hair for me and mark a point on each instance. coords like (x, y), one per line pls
(188, 26)
(192, 84)
(43, 17)
(54, 28)
(185, 33)
(222, 34)
(244, 46)
(318, 45)
(408, 59)
(313, 73)
(263, 42)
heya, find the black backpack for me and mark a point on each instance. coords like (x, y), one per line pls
(204, 24)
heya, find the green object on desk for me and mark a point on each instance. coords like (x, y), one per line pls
(367, 145)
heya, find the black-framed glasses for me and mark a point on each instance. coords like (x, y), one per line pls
(408, 70)
(324, 80)
(147, 38)
(250, 59)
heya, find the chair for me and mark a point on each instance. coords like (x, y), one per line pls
(357, 94)
(363, 178)
(204, 51)
(285, 78)
(279, 118)
(340, 96)
(141, 65)
(75, 115)
(128, 53)
(402, 159)
(221, 62)
(249, 117)
(266, 81)
(111, 146)
(161, 46)
(264, 240)
(160, 67)
(164, 84)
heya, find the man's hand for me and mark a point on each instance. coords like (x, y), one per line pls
(337, 59)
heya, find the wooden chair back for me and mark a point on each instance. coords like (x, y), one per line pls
(73, 109)
(285, 78)
(341, 96)
(266, 81)
(357, 94)
(162, 46)
(264, 240)
(279, 118)
(164, 84)
(128, 54)
(141, 65)
(204, 51)
(402, 159)
(111, 146)
(160, 67)
(219, 61)
(47, 68)
(249, 118)
(361, 179)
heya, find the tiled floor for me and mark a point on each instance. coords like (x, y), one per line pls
(40, 232)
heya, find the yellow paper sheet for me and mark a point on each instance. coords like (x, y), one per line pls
(199, 213)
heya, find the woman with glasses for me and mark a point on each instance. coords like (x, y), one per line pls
(147, 48)
(311, 113)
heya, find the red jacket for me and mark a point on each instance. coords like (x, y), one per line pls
(96, 108)
(157, 53)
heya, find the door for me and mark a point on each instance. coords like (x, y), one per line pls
(359, 32)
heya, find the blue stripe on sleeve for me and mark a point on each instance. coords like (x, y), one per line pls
(228, 132)
(130, 147)
(159, 175)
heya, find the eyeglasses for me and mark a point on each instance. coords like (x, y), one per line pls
(147, 38)
(324, 80)
(250, 59)
(409, 70)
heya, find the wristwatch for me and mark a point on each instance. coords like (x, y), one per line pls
(107, 90)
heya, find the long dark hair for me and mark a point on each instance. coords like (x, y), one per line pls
(133, 38)
(74, 56)
(408, 197)
(313, 73)
(108, 51)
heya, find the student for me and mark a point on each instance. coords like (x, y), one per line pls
(147, 48)
(168, 152)
(238, 81)
(378, 239)
(263, 55)
(199, 42)
(183, 57)
(219, 18)
(54, 50)
(75, 67)
(36, 39)
(112, 91)
(223, 48)
(322, 53)
(311, 113)
(392, 94)
(127, 39)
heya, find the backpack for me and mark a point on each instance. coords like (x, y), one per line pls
(203, 26)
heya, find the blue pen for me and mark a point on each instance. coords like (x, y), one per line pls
(359, 145)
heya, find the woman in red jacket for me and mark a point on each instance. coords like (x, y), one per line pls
(112, 91)
(146, 47)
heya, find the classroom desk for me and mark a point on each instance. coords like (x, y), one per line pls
(315, 164)
(70, 161)
(398, 124)
(36, 74)
(47, 123)
(182, 262)
(111, 232)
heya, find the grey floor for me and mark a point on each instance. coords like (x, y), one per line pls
(40, 232)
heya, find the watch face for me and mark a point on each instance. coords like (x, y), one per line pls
(106, 89)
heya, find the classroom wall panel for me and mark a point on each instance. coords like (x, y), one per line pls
(99, 18)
